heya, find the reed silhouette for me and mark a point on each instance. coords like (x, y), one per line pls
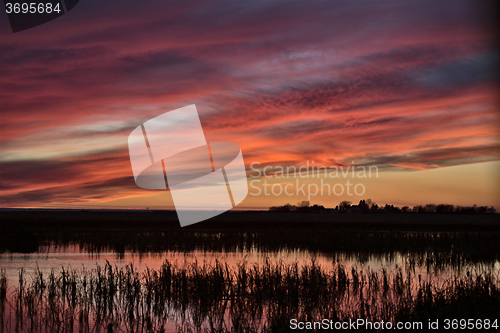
(242, 298)
(248, 297)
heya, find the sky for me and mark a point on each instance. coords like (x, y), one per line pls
(407, 87)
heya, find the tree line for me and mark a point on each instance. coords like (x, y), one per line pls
(368, 206)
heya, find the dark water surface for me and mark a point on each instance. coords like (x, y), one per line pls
(69, 288)
(121, 274)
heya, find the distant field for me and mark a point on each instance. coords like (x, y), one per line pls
(248, 220)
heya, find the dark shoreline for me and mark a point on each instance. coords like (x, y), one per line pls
(436, 239)
(248, 220)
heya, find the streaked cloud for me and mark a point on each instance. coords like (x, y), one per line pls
(403, 84)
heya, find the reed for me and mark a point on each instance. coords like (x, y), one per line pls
(3, 286)
(246, 297)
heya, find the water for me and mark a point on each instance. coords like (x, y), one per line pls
(73, 256)
(53, 258)
(415, 269)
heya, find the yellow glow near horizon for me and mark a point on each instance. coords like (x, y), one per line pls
(463, 185)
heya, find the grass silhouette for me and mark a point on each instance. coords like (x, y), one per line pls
(242, 298)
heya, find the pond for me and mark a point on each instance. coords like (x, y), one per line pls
(66, 287)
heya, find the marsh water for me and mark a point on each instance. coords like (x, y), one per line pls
(401, 276)
(51, 258)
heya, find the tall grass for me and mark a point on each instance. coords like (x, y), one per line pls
(3, 286)
(242, 298)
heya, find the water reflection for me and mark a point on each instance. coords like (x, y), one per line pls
(240, 297)
(247, 282)
(50, 257)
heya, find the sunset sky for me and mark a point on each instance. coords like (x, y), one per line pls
(408, 86)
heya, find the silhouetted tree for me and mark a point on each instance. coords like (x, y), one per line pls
(491, 210)
(442, 209)
(303, 203)
(344, 205)
(391, 209)
(368, 206)
(316, 208)
(363, 206)
(302, 207)
(285, 208)
(418, 209)
(430, 208)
